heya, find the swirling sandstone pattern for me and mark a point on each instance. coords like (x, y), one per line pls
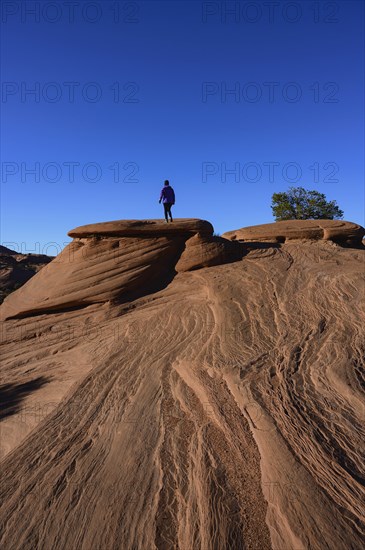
(118, 260)
(223, 411)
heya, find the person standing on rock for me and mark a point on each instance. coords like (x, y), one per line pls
(168, 199)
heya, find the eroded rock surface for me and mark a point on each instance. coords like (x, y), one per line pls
(208, 251)
(224, 411)
(114, 260)
(338, 231)
(144, 228)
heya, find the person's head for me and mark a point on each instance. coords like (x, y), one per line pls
(167, 182)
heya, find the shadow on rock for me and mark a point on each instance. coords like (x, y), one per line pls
(11, 395)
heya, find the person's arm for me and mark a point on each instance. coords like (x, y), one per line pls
(173, 196)
(161, 196)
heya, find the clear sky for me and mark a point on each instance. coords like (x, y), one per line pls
(231, 101)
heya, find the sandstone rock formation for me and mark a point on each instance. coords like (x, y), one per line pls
(144, 228)
(117, 260)
(203, 251)
(334, 230)
(224, 410)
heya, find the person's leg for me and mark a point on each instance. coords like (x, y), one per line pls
(170, 212)
(166, 209)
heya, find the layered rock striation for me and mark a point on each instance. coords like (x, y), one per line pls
(341, 232)
(119, 260)
(225, 410)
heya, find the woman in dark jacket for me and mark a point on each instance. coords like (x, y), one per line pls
(168, 199)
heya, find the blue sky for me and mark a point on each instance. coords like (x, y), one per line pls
(151, 89)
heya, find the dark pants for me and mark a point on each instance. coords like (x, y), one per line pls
(167, 208)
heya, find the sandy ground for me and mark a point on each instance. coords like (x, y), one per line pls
(225, 411)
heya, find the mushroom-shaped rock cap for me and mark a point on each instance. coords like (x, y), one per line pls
(143, 228)
(329, 230)
(105, 262)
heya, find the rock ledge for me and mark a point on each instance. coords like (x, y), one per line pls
(339, 231)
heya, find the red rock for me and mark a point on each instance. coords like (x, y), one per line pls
(335, 230)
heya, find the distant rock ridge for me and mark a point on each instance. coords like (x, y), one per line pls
(17, 268)
(339, 231)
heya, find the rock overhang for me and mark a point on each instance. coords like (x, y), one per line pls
(144, 228)
(112, 261)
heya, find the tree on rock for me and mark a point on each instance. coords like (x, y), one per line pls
(300, 204)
